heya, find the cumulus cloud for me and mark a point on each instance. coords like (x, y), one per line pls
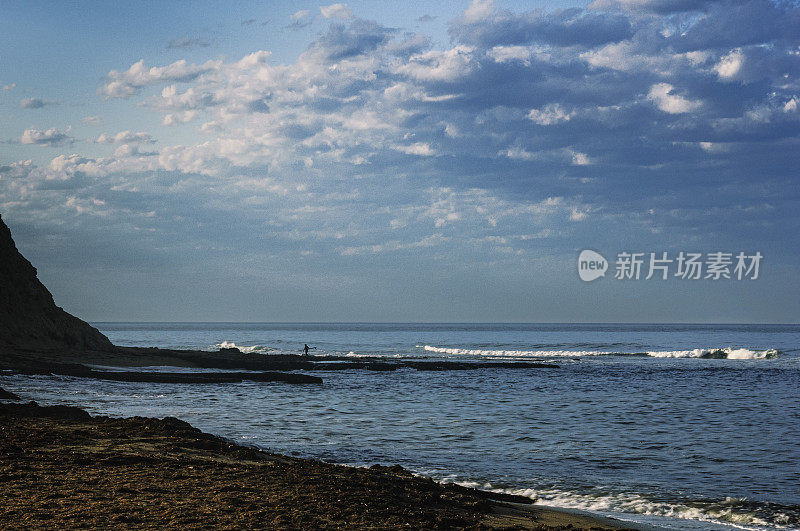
(435, 65)
(125, 137)
(343, 42)
(132, 150)
(580, 159)
(482, 24)
(517, 152)
(340, 11)
(127, 83)
(550, 114)
(664, 97)
(179, 117)
(17, 169)
(729, 65)
(417, 148)
(525, 125)
(47, 137)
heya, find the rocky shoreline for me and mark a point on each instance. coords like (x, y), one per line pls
(61, 467)
(270, 368)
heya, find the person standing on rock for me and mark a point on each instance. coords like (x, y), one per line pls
(306, 348)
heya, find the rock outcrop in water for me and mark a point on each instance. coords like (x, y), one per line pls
(29, 318)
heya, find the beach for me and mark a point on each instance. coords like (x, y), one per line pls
(63, 468)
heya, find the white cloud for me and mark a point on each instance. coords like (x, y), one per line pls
(340, 11)
(179, 118)
(92, 206)
(507, 54)
(550, 114)
(325, 131)
(49, 137)
(125, 137)
(580, 159)
(17, 169)
(714, 147)
(661, 94)
(300, 19)
(518, 153)
(92, 120)
(439, 66)
(478, 10)
(578, 214)
(127, 83)
(131, 150)
(418, 148)
(299, 15)
(730, 65)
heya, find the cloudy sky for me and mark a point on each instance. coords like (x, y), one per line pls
(393, 161)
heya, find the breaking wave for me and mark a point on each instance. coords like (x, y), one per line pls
(708, 353)
(736, 512)
(243, 348)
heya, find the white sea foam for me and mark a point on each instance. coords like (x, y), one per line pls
(733, 512)
(723, 353)
(727, 353)
(243, 348)
(513, 353)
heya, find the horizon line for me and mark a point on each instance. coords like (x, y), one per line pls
(457, 323)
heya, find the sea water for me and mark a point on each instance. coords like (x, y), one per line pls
(680, 426)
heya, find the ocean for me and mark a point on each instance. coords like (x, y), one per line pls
(677, 426)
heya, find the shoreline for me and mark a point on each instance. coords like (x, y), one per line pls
(142, 471)
(272, 368)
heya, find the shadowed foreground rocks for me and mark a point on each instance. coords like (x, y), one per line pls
(7, 395)
(61, 468)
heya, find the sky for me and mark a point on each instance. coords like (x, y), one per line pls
(403, 161)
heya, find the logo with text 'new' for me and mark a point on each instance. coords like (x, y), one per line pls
(591, 265)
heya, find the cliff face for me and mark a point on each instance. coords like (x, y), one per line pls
(29, 318)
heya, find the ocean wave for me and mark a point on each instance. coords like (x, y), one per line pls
(721, 353)
(735, 512)
(713, 353)
(243, 348)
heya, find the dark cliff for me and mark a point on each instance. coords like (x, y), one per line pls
(29, 318)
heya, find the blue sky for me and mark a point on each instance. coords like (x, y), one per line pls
(386, 161)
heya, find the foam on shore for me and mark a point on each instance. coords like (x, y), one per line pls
(730, 512)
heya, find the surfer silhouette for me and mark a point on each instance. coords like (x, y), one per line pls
(306, 348)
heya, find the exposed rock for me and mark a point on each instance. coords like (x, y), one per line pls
(164, 474)
(32, 409)
(7, 395)
(29, 318)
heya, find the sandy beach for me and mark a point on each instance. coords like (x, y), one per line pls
(63, 468)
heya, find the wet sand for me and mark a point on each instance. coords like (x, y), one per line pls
(62, 468)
